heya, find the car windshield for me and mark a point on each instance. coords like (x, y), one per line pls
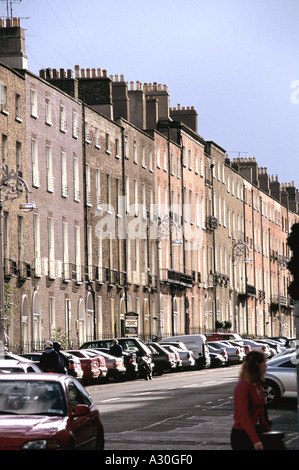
(31, 398)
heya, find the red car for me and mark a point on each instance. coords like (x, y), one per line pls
(47, 411)
(90, 365)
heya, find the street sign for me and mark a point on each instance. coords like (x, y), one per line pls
(131, 324)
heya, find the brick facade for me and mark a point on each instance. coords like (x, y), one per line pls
(117, 177)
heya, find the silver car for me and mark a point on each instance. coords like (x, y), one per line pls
(186, 355)
(280, 378)
(11, 367)
(236, 354)
(263, 347)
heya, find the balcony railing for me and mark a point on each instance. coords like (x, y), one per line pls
(176, 278)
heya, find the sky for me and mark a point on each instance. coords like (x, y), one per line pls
(235, 61)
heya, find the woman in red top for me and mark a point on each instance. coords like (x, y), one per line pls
(249, 404)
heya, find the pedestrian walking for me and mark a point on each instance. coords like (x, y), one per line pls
(49, 361)
(64, 362)
(249, 404)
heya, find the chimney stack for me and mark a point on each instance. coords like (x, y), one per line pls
(12, 44)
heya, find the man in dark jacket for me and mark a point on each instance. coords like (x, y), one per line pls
(116, 349)
(64, 362)
(49, 361)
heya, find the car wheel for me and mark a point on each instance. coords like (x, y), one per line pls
(271, 391)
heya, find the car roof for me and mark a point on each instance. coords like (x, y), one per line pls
(35, 377)
(285, 358)
(13, 362)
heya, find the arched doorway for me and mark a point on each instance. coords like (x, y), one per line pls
(89, 316)
(81, 322)
(25, 325)
(36, 321)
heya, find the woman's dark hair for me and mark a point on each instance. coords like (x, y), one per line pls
(250, 368)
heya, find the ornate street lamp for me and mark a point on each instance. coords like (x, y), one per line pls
(239, 248)
(165, 227)
(12, 186)
(282, 263)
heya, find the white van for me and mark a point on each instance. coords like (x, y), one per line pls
(197, 344)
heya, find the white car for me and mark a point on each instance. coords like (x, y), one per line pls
(281, 378)
(11, 367)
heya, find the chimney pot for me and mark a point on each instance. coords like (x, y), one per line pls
(77, 71)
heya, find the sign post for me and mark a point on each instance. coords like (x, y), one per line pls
(131, 324)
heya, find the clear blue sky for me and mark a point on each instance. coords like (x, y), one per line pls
(235, 61)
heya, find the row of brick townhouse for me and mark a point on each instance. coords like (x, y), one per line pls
(136, 213)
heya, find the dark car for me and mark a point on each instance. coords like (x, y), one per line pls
(216, 354)
(47, 411)
(163, 360)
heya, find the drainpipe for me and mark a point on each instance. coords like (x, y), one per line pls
(89, 283)
(214, 250)
(124, 215)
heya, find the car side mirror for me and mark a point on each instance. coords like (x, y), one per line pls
(81, 410)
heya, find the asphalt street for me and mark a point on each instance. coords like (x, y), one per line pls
(186, 411)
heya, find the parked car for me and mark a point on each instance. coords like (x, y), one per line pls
(47, 411)
(217, 360)
(9, 355)
(130, 362)
(218, 352)
(290, 343)
(283, 353)
(115, 365)
(90, 366)
(74, 369)
(280, 378)
(101, 362)
(236, 354)
(164, 360)
(273, 345)
(130, 344)
(282, 339)
(177, 358)
(246, 347)
(186, 355)
(11, 367)
(258, 346)
(219, 336)
(197, 344)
